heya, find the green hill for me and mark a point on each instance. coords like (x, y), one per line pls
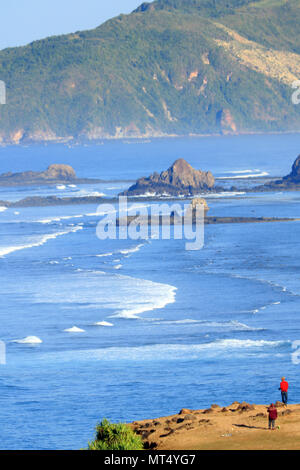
(171, 67)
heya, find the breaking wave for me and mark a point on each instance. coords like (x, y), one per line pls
(158, 352)
(28, 340)
(74, 329)
(239, 174)
(6, 250)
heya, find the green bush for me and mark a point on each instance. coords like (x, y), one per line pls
(110, 436)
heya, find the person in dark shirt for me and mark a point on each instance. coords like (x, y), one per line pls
(272, 410)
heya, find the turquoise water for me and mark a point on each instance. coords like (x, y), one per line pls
(161, 328)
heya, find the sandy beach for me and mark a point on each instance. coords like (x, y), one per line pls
(239, 426)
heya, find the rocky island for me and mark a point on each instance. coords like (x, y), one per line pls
(291, 182)
(56, 173)
(180, 179)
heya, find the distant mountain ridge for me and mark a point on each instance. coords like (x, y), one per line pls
(172, 67)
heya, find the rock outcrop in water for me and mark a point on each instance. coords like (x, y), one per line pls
(294, 177)
(199, 201)
(180, 179)
(289, 182)
(59, 171)
(56, 173)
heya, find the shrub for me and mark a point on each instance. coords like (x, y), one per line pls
(110, 436)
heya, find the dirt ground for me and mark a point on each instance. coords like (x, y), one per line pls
(239, 426)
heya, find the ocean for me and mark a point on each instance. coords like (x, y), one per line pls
(136, 329)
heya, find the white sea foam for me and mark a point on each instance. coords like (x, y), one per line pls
(244, 174)
(86, 193)
(122, 252)
(104, 255)
(242, 171)
(3, 208)
(233, 324)
(74, 329)
(147, 194)
(28, 340)
(98, 213)
(6, 250)
(182, 196)
(103, 323)
(61, 186)
(221, 194)
(161, 295)
(58, 219)
(96, 194)
(175, 351)
(246, 343)
(131, 250)
(49, 220)
(271, 283)
(176, 322)
(244, 327)
(118, 266)
(124, 296)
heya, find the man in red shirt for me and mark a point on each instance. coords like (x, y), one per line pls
(272, 410)
(284, 386)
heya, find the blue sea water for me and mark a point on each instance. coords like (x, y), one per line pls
(158, 328)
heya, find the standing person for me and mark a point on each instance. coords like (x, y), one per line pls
(272, 410)
(284, 386)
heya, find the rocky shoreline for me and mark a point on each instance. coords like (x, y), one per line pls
(239, 426)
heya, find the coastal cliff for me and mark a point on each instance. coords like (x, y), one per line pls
(239, 426)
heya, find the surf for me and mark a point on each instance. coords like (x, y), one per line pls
(4, 251)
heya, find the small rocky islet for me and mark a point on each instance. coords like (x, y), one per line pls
(54, 174)
(291, 182)
(179, 180)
